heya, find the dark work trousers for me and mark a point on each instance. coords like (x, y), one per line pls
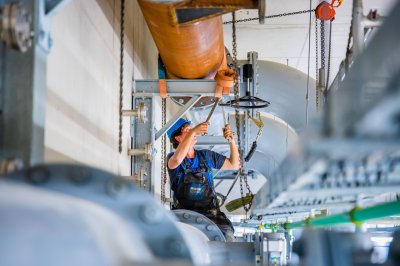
(220, 219)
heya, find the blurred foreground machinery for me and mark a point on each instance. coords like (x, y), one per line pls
(75, 215)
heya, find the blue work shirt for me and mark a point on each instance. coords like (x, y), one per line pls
(214, 160)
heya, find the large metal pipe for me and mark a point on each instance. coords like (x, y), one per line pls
(188, 51)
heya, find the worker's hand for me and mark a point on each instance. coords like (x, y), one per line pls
(201, 129)
(228, 134)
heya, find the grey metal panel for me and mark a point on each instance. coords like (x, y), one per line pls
(24, 86)
(142, 134)
(374, 75)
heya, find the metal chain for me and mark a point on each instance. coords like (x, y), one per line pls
(329, 58)
(308, 64)
(236, 86)
(322, 25)
(242, 175)
(121, 75)
(163, 151)
(316, 63)
(271, 16)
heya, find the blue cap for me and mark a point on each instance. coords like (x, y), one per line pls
(177, 125)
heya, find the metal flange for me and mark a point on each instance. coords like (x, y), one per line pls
(15, 27)
(139, 113)
(147, 152)
(201, 222)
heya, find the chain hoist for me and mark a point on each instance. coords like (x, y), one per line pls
(163, 151)
(242, 175)
(329, 57)
(325, 11)
(324, 74)
(271, 16)
(121, 74)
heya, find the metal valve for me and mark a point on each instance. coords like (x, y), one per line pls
(139, 113)
(147, 152)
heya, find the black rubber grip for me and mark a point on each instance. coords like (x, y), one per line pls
(248, 71)
(251, 152)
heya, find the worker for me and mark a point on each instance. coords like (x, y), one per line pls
(191, 175)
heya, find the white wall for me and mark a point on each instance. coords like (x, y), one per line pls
(83, 82)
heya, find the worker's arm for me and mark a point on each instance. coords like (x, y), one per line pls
(233, 162)
(183, 147)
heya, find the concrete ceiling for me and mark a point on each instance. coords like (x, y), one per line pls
(285, 40)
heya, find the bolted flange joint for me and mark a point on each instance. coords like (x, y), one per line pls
(147, 152)
(140, 113)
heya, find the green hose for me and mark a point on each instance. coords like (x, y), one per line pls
(355, 216)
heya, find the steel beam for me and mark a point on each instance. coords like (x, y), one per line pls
(178, 115)
(324, 193)
(186, 87)
(296, 211)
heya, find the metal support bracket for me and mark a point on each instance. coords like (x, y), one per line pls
(145, 93)
(52, 6)
(178, 115)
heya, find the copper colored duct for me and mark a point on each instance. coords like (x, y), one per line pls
(191, 51)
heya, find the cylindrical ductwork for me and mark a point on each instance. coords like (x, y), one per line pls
(188, 51)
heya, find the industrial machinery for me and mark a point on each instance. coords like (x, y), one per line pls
(327, 160)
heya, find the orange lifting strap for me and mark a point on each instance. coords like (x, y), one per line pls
(162, 84)
(225, 80)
